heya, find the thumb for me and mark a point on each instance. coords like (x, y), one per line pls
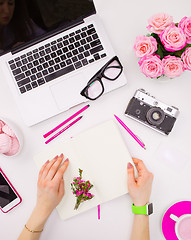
(130, 174)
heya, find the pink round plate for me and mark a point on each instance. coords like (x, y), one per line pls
(168, 225)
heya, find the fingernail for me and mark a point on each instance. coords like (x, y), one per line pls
(67, 160)
(129, 165)
(61, 155)
(47, 162)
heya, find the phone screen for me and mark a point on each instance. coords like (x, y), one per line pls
(7, 194)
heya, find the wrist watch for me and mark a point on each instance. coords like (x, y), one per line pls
(143, 210)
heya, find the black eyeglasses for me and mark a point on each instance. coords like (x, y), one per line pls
(110, 71)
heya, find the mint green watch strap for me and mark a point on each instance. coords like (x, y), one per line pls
(140, 210)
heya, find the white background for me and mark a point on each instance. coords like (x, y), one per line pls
(123, 20)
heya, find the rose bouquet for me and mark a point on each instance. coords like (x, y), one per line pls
(81, 190)
(166, 51)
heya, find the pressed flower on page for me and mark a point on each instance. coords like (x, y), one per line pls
(80, 189)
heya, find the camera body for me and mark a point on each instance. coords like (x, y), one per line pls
(148, 110)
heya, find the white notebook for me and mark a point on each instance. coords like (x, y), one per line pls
(102, 155)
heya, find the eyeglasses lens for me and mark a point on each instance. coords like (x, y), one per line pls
(95, 89)
(113, 70)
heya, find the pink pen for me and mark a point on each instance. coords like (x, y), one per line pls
(67, 120)
(64, 129)
(130, 132)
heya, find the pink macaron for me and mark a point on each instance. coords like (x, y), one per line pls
(5, 143)
(10, 138)
(14, 147)
(1, 125)
(6, 129)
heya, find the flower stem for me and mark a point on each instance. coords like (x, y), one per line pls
(77, 204)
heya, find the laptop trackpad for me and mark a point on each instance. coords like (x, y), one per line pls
(67, 92)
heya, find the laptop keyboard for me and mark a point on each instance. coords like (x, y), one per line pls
(57, 58)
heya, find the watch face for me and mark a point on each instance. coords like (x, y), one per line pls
(150, 208)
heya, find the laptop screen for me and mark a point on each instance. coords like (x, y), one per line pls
(23, 21)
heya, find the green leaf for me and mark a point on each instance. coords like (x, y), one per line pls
(80, 173)
(160, 52)
(180, 52)
(155, 35)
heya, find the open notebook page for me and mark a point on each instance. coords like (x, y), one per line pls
(103, 152)
(102, 155)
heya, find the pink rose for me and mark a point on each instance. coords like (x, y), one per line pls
(185, 25)
(186, 58)
(158, 22)
(173, 66)
(151, 66)
(173, 38)
(145, 46)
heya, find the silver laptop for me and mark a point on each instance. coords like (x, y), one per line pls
(50, 50)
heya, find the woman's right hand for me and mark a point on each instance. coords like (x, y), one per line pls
(140, 187)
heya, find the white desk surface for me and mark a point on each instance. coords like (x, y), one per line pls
(123, 20)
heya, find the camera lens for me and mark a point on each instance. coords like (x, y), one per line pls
(155, 116)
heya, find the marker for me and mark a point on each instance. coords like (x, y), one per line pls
(63, 130)
(130, 132)
(67, 120)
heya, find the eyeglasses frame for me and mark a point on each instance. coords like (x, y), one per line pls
(99, 75)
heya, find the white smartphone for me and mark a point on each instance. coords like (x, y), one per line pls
(9, 197)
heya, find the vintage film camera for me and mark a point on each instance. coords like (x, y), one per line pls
(145, 108)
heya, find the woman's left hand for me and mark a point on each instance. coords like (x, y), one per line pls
(51, 185)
